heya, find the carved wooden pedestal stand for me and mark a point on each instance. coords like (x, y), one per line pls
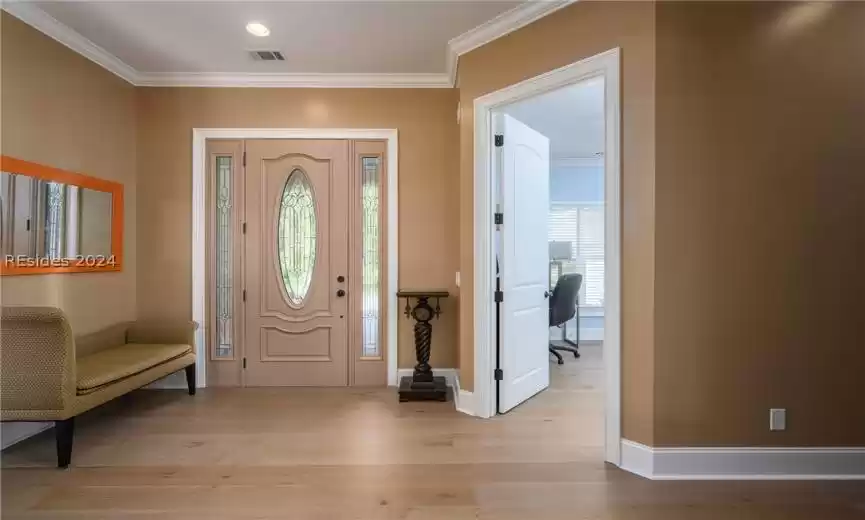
(422, 385)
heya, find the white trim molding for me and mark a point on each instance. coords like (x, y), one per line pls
(501, 25)
(463, 400)
(606, 65)
(743, 463)
(292, 80)
(199, 245)
(43, 22)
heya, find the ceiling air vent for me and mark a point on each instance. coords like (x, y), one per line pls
(267, 55)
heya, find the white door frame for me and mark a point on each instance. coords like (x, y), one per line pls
(199, 222)
(607, 65)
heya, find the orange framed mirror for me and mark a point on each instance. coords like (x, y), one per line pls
(57, 221)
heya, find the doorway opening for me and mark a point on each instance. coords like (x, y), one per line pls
(547, 224)
(294, 256)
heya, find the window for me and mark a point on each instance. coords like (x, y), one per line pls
(582, 226)
(370, 307)
(224, 248)
(296, 238)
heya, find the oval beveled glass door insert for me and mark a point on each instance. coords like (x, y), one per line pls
(296, 236)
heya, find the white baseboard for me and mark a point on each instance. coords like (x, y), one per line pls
(743, 463)
(465, 402)
(15, 432)
(463, 399)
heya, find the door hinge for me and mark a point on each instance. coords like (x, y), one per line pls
(499, 218)
(244, 295)
(498, 374)
(244, 228)
(500, 140)
(499, 296)
(244, 362)
(244, 159)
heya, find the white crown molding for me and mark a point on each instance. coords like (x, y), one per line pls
(35, 17)
(451, 62)
(743, 463)
(499, 26)
(293, 80)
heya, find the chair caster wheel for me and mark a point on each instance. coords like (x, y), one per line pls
(560, 361)
(576, 354)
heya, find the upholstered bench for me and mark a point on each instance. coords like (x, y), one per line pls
(47, 375)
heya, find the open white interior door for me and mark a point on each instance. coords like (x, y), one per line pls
(523, 168)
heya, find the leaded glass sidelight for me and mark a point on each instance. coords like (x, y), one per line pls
(224, 243)
(371, 263)
(296, 236)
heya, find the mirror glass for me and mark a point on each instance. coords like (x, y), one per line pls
(41, 219)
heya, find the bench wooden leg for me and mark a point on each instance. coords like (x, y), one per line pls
(190, 379)
(64, 430)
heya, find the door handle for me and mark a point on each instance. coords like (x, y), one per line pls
(340, 293)
(546, 294)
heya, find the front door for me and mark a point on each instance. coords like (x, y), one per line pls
(296, 262)
(523, 162)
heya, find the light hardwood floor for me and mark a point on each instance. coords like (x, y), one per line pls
(316, 454)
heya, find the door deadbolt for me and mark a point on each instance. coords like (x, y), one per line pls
(340, 278)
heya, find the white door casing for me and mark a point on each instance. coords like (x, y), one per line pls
(523, 161)
(199, 242)
(480, 401)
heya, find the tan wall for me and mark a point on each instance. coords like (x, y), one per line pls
(62, 110)
(576, 32)
(428, 142)
(760, 231)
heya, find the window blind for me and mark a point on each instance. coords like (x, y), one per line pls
(582, 225)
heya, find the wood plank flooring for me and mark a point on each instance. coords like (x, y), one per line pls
(316, 454)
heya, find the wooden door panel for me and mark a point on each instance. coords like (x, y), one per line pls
(297, 215)
(278, 344)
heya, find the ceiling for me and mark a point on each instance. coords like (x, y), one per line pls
(396, 43)
(571, 117)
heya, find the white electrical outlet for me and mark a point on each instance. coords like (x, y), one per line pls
(777, 419)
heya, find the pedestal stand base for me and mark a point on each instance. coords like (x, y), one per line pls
(435, 390)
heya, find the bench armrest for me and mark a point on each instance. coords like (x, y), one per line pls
(38, 353)
(162, 332)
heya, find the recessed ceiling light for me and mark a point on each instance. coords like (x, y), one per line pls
(257, 29)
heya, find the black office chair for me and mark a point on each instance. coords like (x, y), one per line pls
(563, 307)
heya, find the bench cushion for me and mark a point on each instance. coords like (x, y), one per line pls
(115, 364)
